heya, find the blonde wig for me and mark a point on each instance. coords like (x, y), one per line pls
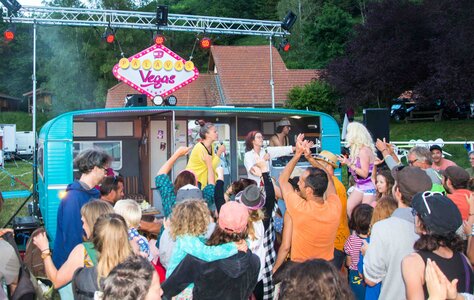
(130, 210)
(357, 137)
(190, 217)
(110, 240)
(92, 210)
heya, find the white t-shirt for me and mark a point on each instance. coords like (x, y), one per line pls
(256, 246)
(250, 158)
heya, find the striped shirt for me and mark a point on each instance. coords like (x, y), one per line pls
(352, 249)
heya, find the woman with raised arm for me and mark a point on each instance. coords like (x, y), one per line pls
(360, 164)
(197, 163)
(83, 255)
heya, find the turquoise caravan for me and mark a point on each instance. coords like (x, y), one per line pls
(141, 139)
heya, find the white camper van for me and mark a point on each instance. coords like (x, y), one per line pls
(8, 133)
(25, 142)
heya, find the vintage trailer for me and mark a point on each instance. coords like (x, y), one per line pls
(141, 139)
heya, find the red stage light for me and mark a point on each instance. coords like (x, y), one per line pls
(287, 47)
(205, 43)
(110, 38)
(284, 45)
(159, 39)
(9, 35)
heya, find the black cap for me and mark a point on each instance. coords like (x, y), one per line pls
(439, 214)
(436, 147)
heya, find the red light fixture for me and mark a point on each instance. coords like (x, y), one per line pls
(109, 35)
(9, 34)
(159, 39)
(284, 45)
(205, 43)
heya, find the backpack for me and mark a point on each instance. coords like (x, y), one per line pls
(84, 283)
(26, 289)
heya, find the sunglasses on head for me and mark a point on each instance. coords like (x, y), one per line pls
(424, 196)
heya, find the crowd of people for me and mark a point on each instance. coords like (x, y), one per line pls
(398, 232)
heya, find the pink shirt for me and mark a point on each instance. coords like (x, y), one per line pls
(444, 164)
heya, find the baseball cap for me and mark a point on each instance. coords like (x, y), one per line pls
(188, 191)
(457, 175)
(436, 147)
(328, 157)
(411, 180)
(233, 217)
(283, 122)
(251, 197)
(439, 214)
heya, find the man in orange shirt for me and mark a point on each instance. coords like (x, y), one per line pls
(329, 161)
(455, 181)
(315, 214)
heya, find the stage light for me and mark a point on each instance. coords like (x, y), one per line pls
(159, 39)
(109, 35)
(9, 34)
(284, 45)
(158, 100)
(289, 21)
(205, 43)
(171, 100)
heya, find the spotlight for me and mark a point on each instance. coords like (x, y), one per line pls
(109, 35)
(205, 43)
(172, 100)
(289, 21)
(159, 39)
(158, 100)
(9, 34)
(284, 45)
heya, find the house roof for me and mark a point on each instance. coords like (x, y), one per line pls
(7, 97)
(244, 73)
(38, 92)
(239, 76)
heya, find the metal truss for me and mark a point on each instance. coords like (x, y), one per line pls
(142, 20)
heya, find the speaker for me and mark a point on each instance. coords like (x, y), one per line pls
(135, 100)
(377, 121)
(162, 15)
(289, 20)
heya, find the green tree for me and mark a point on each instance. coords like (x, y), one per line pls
(328, 34)
(316, 95)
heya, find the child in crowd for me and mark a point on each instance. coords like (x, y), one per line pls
(384, 209)
(132, 213)
(384, 183)
(360, 224)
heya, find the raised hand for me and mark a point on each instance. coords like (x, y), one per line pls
(41, 241)
(262, 165)
(182, 151)
(300, 138)
(343, 160)
(220, 173)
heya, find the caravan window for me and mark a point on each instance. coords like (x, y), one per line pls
(113, 148)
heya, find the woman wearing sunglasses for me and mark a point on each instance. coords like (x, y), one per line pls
(436, 220)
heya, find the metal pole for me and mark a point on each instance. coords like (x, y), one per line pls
(272, 83)
(33, 110)
(173, 139)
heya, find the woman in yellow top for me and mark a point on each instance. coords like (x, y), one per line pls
(197, 163)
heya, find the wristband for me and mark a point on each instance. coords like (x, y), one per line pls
(47, 249)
